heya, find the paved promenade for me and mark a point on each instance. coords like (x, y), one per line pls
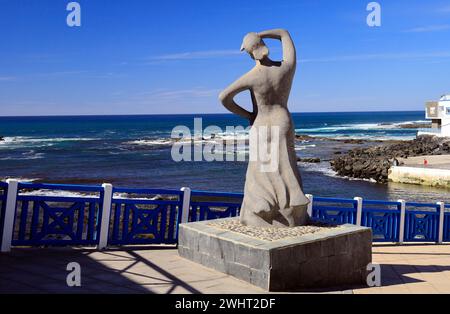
(434, 162)
(405, 269)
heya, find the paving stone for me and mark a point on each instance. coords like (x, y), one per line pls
(401, 267)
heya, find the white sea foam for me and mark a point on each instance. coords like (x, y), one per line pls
(155, 142)
(413, 122)
(304, 147)
(25, 141)
(366, 137)
(325, 169)
(322, 167)
(20, 179)
(353, 127)
(341, 131)
(220, 138)
(56, 193)
(30, 155)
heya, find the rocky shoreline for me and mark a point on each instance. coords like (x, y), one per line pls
(308, 138)
(374, 162)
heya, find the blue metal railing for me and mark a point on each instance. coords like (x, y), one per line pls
(42, 220)
(334, 210)
(3, 194)
(422, 222)
(201, 210)
(137, 220)
(447, 224)
(44, 217)
(384, 219)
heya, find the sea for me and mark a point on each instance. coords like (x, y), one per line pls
(137, 151)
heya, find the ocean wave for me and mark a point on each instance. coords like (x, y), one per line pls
(20, 179)
(35, 141)
(304, 147)
(244, 151)
(325, 169)
(219, 138)
(156, 142)
(413, 122)
(30, 155)
(361, 127)
(366, 137)
(56, 193)
(322, 167)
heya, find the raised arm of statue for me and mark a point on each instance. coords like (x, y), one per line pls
(289, 53)
(227, 98)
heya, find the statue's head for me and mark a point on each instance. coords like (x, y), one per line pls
(255, 46)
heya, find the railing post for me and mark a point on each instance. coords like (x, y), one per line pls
(310, 205)
(359, 207)
(106, 215)
(441, 221)
(10, 211)
(401, 236)
(186, 205)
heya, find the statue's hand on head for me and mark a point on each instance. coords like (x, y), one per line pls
(255, 46)
(289, 52)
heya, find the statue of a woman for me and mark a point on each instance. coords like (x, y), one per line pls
(272, 198)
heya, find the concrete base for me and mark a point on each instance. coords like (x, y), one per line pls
(430, 176)
(338, 257)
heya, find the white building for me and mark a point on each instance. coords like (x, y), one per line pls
(439, 114)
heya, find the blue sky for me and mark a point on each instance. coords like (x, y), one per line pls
(155, 57)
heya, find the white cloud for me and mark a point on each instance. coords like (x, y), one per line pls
(379, 56)
(208, 54)
(445, 9)
(428, 29)
(168, 94)
(167, 97)
(7, 78)
(164, 101)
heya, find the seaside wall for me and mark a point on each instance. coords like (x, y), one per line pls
(420, 176)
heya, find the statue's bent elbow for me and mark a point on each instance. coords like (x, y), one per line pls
(222, 97)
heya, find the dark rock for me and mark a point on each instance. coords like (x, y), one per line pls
(303, 137)
(415, 126)
(351, 141)
(309, 160)
(374, 162)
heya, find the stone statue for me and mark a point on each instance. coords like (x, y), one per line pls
(272, 198)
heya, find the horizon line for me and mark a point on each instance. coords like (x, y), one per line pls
(189, 114)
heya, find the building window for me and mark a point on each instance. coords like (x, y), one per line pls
(448, 110)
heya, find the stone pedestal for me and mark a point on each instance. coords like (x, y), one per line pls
(337, 257)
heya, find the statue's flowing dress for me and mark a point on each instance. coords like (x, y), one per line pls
(274, 197)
